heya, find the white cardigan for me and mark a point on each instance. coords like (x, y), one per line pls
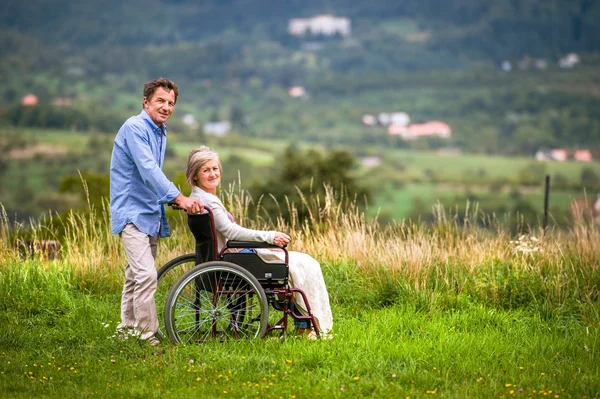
(226, 229)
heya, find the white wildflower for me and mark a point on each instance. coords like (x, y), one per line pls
(526, 245)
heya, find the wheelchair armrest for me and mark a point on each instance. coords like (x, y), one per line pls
(250, 244)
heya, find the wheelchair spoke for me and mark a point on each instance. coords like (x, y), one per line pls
(168, 274)
(220, 302)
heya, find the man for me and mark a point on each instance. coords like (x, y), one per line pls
(138, 191)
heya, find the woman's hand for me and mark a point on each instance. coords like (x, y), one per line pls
(281, 239)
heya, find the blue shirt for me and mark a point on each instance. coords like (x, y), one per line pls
(138, 186)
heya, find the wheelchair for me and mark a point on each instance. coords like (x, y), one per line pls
(225, 295)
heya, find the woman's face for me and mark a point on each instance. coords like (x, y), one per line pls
(209, 176)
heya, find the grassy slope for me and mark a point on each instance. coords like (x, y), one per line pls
(445, 310)
(44, 173)
(55, 343)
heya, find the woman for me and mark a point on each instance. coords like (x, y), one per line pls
(204, 176)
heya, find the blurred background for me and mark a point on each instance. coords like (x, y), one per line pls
(398, 105)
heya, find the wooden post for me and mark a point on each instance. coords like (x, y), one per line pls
(546, 200)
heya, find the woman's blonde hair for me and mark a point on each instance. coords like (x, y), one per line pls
(196, 159)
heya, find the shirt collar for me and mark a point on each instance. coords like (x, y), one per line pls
(153, 125)
(196, 189)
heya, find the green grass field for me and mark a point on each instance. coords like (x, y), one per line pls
(254, 156)
(446, 310)
(57, 341)
(404, 177)
(397, 202)
(462, 168)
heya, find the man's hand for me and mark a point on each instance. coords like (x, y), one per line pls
(189, 205)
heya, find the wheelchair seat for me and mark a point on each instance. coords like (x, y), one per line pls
(203, 229)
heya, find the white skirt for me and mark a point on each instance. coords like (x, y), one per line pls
(305, 274)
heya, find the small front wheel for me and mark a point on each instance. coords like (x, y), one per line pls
(216, 301)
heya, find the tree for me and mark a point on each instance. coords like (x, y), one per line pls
(91, 187)
(303, 178)
(533, 174)
(589, 179)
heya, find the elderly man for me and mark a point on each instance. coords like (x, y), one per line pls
(138, 191)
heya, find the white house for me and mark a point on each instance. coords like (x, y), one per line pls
(217, 128)
(393, 118)
(569, 60)
(320, 25)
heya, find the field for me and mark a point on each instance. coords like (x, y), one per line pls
(443, 311)
(403, 180)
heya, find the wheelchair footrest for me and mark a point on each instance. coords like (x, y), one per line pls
(280, 305)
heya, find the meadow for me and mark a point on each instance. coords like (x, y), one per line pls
(448, 310)
(403, 180)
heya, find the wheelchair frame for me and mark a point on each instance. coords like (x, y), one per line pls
(217, 298)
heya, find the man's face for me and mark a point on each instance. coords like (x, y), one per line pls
(160, 106)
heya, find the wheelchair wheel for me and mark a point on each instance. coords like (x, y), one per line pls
(168, 274)
(216, 301)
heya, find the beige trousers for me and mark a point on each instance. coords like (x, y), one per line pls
(138, 309)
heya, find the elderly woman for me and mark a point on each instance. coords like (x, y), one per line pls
(204, 175)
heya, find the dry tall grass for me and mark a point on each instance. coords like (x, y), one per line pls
(338, 231)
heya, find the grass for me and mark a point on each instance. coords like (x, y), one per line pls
(419, 311)
(254, 156)
(414, 172)
(62, 344)
(455, 168)
(398, 202)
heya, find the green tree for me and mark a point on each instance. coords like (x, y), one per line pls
(302, 180)
(589, 178)
(90, 186)
(533, 174)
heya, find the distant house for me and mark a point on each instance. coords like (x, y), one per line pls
(562, 155)
(370, 161)
(320, 25)
(427, 129)
(559, 154)
(297, 92)
(398, 118)
(29, 100)
(217, 128)
(569, 61)
(190, 120)
(582, 156)
(368, 120)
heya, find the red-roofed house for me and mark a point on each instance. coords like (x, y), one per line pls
(433, 128)
(29, 100)
(582, 155)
